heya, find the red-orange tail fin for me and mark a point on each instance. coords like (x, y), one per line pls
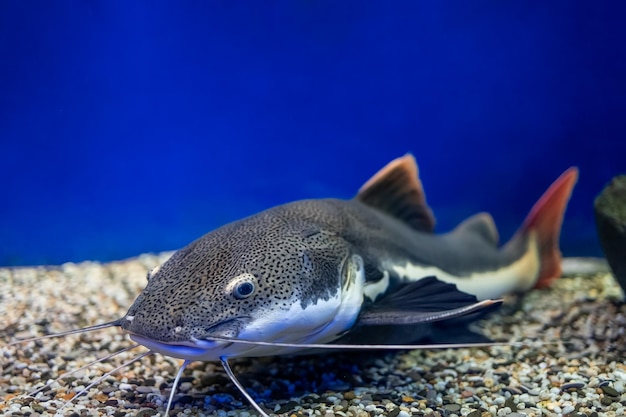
(545, 219)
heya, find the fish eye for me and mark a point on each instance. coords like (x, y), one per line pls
(243, 289)
(242, 286)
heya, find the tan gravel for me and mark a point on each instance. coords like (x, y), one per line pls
(571, 364)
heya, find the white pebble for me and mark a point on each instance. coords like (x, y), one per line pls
(403, 413)
(504, 412)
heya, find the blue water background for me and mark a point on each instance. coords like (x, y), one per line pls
(137, 126)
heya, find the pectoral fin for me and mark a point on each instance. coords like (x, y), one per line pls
(377, 318)
(424, 301)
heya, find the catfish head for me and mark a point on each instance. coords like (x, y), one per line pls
(276, 276)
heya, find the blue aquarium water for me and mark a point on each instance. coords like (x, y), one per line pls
(131, 127)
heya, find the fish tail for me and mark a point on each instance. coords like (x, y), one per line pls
(543, 223)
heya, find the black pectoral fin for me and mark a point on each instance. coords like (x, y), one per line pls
(382, 317)
(427, 294)
(427, 300)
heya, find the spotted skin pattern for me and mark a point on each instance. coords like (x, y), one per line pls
(289, 250)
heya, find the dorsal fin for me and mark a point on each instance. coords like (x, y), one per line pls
(397, 190)
(481, 224)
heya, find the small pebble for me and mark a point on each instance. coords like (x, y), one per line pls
(394, 413)
(145, 390)
(572, 386)
(610, 391)
(453, 408)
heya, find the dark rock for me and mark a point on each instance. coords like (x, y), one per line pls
(142, 389)
(453, 408)
(185, 399)
(606, 401)
(610, 213)
(610, 391)
(146, 412)
(513, 390)
(285, 408)
(414, 375)
(572, 386)
(108, 390)
(394, 412)
(376, 397)
(510, 402)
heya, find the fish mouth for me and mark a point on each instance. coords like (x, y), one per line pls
(187, 350)
(199, 346)
(224, 328)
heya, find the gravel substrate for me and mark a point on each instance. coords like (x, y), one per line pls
(571, 363)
